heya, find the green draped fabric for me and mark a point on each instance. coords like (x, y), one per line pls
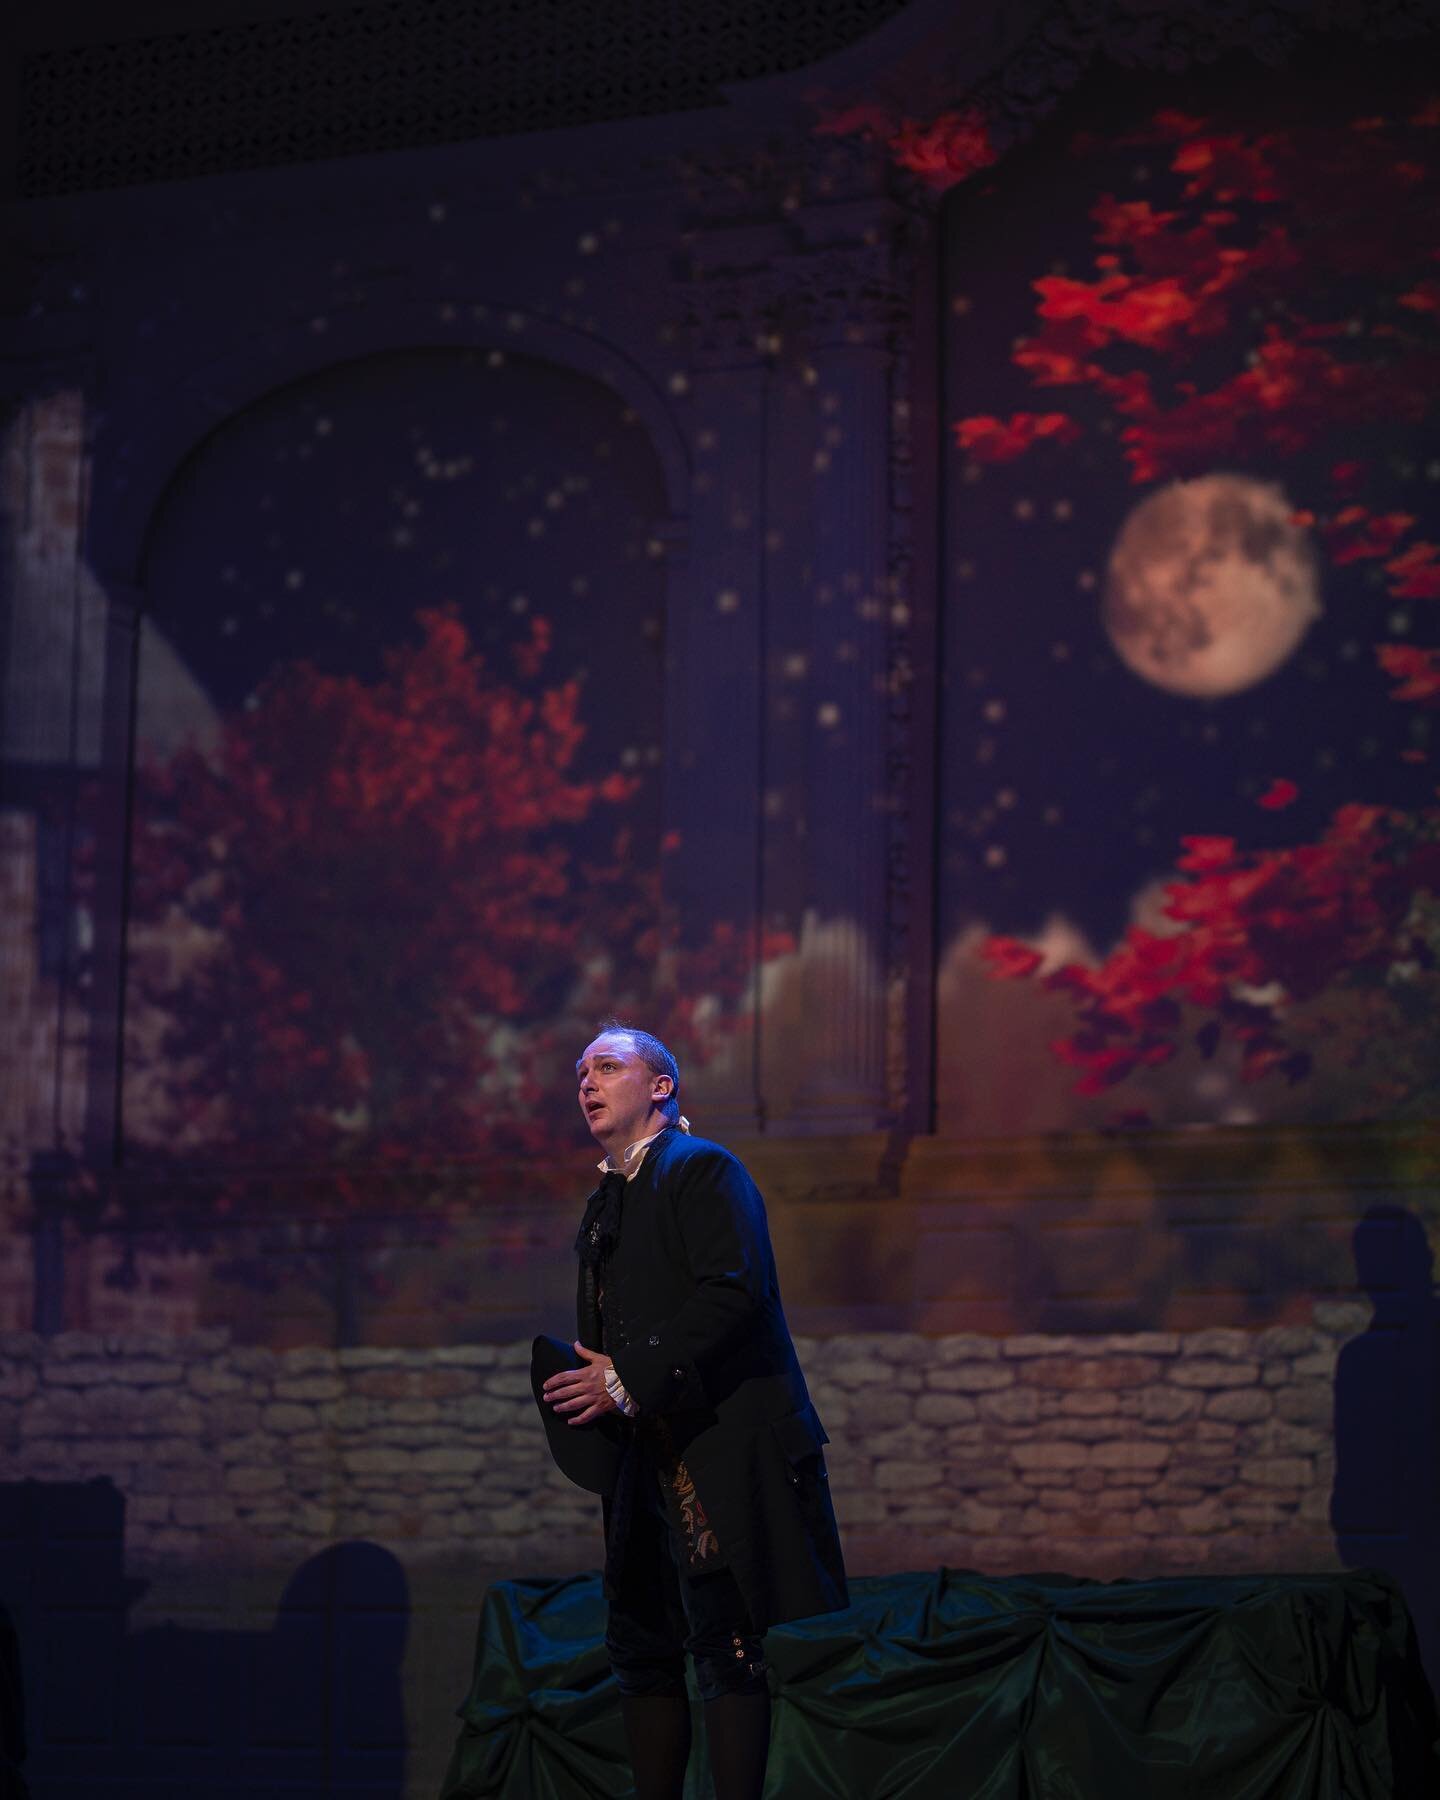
(1301, 1687)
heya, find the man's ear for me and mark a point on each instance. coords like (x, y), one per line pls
(661, 1088)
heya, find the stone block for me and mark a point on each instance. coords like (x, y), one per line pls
(848, 1376)
(1176, 1493)
(1130, 1454)
(18, 1380)
(285, 1419)
(1297, 1440)
(1050, 1455)
(447, 1461)
(1026, 1344)
(203, 1509)
(309, 1387)
(917, 1518)
(1211, 1372)
(1086, 1403)
(1306, 1403)
(907, 1348)
(211, 1380)
(365, 1357)
(966, 1347)
(875, 1408)
(373, 1459)
(509, 1521)
(1240, 1406)
(1163, 1404)
(1093, 1372)
(250, 1480)
(82, 1372)
(350, 1414)
(464, 1356)
(971, 1378)
(510, 1384)
(944, 1409)
(1138, 1343)
(1285, 1340)
(1340, 1318)
(911, 1442)
(859, 1506)
(907, 1475)
(1010, 1406)
(1279, 1472)
(1091, 1431)
(176, 1450)
(1225, 1342)
(146, 1372)
(1319, 1365)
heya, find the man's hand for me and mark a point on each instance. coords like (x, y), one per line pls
(580, 1393)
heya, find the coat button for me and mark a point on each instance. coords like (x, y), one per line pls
(679, 1374)
(654, 1339)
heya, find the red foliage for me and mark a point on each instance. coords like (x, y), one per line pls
(366, 925)
(1255, 932)
(1279, 795)
(944, 151)
(1354, 533)
(1263, 222)
(1007, 956)
(1000, 440)
(1416, 572)
(1416, 668)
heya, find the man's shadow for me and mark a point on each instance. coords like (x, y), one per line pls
(1385, 1505)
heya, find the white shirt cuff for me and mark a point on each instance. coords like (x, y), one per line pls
(615, 1388)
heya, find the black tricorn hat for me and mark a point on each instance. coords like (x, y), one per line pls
(588, 1454)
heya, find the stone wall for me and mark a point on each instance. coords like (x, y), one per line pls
(1148, 1452)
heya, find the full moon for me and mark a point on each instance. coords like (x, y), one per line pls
(1210, 586)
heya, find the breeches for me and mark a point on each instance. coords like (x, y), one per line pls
(659, 1614)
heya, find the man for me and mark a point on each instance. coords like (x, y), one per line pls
(719, 1523)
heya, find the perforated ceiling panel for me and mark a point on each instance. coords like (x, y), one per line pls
(397, 75)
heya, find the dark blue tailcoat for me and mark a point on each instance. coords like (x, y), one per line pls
(694, 1324)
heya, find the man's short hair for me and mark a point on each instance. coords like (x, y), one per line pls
(657, 1059)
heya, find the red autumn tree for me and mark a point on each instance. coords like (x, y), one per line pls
(359, 914)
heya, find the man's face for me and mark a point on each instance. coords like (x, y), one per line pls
(618, 1094)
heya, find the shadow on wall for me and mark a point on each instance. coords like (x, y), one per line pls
(1385, 1507)
(312, 1706)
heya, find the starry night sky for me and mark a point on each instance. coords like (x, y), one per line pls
(1067, 780)
(317, 523)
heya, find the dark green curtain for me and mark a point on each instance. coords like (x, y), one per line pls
(1304, 1687)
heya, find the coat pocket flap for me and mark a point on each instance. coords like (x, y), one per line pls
(800, 1434)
